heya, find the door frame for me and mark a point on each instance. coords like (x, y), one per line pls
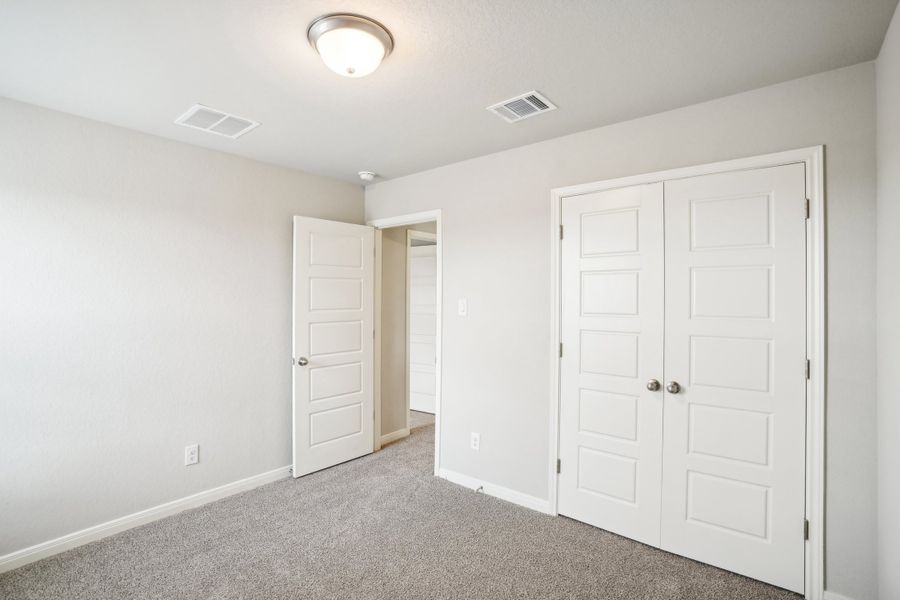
(411, 235)
(813, 159)
(385, 223)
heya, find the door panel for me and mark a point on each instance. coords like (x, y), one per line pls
(612, 334)
(734, 445)
(422, 334)
(333, 326)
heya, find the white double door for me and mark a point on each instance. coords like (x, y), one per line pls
(698, 284)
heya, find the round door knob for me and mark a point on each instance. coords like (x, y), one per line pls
(653, 385)
(302, 361)
(672, 387)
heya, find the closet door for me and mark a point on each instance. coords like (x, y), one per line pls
(734, 443)
(421, 308)
(612, 335)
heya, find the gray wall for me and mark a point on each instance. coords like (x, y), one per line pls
(393, 326)
(496, 216)
(145, 303)
(888, 100)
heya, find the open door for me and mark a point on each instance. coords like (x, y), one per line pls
(333, 343)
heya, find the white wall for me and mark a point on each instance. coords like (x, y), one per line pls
(888, 101)
(393, 326)
(496, 212)
(145, 296)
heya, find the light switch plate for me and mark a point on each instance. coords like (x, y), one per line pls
(462, 307)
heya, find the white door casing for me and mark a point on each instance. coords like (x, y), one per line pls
(612, 345)
(734, 451)
(421, 321)
(333, 327)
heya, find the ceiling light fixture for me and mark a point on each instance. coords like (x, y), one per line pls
(350, 45)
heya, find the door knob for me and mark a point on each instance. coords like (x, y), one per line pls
(653, 385)
(673, 387)
(302, 361)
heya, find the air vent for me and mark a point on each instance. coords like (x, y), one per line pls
(215, 121)
(521, 107)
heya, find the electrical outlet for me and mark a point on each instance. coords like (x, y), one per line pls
(191, 454)
(475, 441)
(462, 307)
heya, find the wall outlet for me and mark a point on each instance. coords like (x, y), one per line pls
(474, 441)
(462, 307)
(191, 454)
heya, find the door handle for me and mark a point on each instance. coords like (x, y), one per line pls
(302, 361)
(673, 387)
(653, 385)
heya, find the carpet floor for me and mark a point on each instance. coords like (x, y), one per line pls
(420, 419)
(379, 527)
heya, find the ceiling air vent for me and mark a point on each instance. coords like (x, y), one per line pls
(521, 107)
(215, 121)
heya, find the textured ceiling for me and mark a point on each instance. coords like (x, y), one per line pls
(141, 64)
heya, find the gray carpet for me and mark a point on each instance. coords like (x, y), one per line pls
(420, 419)
(378, 527)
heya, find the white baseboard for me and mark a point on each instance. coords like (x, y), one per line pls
(394, 436)
(16, 559)
(835, 596)
(497, 491)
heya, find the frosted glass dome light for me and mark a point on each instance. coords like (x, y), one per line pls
(350, 45)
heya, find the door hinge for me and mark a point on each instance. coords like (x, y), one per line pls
(808, 368)
(807, 208)
(560, 349)
(558, 465)
(806, 529)
(560, 232)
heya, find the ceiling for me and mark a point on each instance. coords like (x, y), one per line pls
(141, 64)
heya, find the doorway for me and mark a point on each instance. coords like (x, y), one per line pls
(408, 328)
(350, 342)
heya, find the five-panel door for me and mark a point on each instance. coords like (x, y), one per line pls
(727, 305)
(612, 344)
(333, 343)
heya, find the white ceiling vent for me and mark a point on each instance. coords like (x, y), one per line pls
(215, 121)
(521, 107)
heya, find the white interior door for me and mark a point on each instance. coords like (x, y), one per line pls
(333, 343)
(422, 321)
(734, 450)
(612, 335)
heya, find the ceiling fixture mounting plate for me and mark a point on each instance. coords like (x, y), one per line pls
(215, 121)
(522, 107)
